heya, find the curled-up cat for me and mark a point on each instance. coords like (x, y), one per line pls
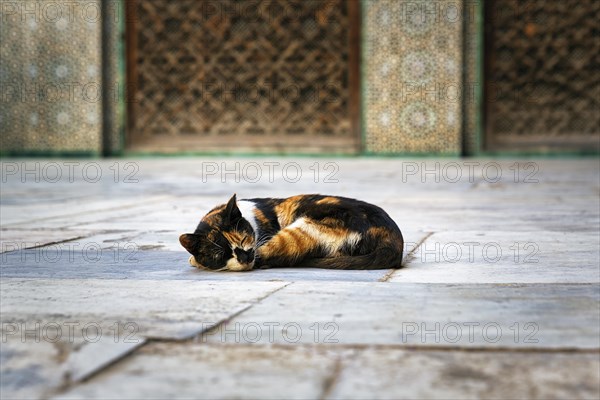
(300, 231)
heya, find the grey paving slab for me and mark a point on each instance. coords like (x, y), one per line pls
(504, 257)
(455, 315)
(471, 212)
(55, 332)
(38, 210)
(157, 308)
(249, 372)
(28, 371)
(38, 358)
(87, 220)
(405, 374)
(203, 371)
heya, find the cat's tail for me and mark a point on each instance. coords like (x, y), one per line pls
(382, 258)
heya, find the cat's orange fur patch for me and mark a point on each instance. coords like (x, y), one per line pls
(286, 210)
(261, 216)
(378, 231)
(236, 238)
(289, 243)
(328, 200)
(213, 218)
(381, 233)
(233, 237)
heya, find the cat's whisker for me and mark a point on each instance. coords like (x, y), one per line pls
(263, 239)
(214, 243)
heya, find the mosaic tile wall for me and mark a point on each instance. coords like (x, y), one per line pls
(412, 69)
(50, 76)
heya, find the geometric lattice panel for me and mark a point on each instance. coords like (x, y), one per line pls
(50, 76)
(412, 84)
(236, 72)
(543, 73)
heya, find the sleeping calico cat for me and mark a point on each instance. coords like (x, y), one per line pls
(300, 231)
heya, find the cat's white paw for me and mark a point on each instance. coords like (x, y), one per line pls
(194, 263)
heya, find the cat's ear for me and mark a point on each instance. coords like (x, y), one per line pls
(232, 212)
(190, 241)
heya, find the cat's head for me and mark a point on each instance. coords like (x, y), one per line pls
(223, 240)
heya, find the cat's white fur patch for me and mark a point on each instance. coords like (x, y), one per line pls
(194, 263)
(332, 243)
(247, 209)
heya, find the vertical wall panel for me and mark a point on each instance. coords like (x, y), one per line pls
(473, 78)
(50, 76)
(542, 75)
(412, 76)
(260, 76)
(113, 77)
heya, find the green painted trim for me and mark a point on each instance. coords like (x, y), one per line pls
(290, 155)
(540, 153)
(122, 73)
(366, 155)
(479, 78)
(417, 155)
(370, 155)
(113, 67)
(130, 153)
(49, 154)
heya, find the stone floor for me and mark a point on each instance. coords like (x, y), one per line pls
(498, 297)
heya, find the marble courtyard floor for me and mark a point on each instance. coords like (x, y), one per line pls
(498, 297)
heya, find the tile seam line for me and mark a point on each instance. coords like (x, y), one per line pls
(54, 217)
(393, 272)
(89, 235)
(332, 379)
(149, 340)
(484, 349)
(40, 245)
(68, 383)
(220, 323)
(426, 348)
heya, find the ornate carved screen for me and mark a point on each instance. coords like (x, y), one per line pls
(250, 75)
(542, 74)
